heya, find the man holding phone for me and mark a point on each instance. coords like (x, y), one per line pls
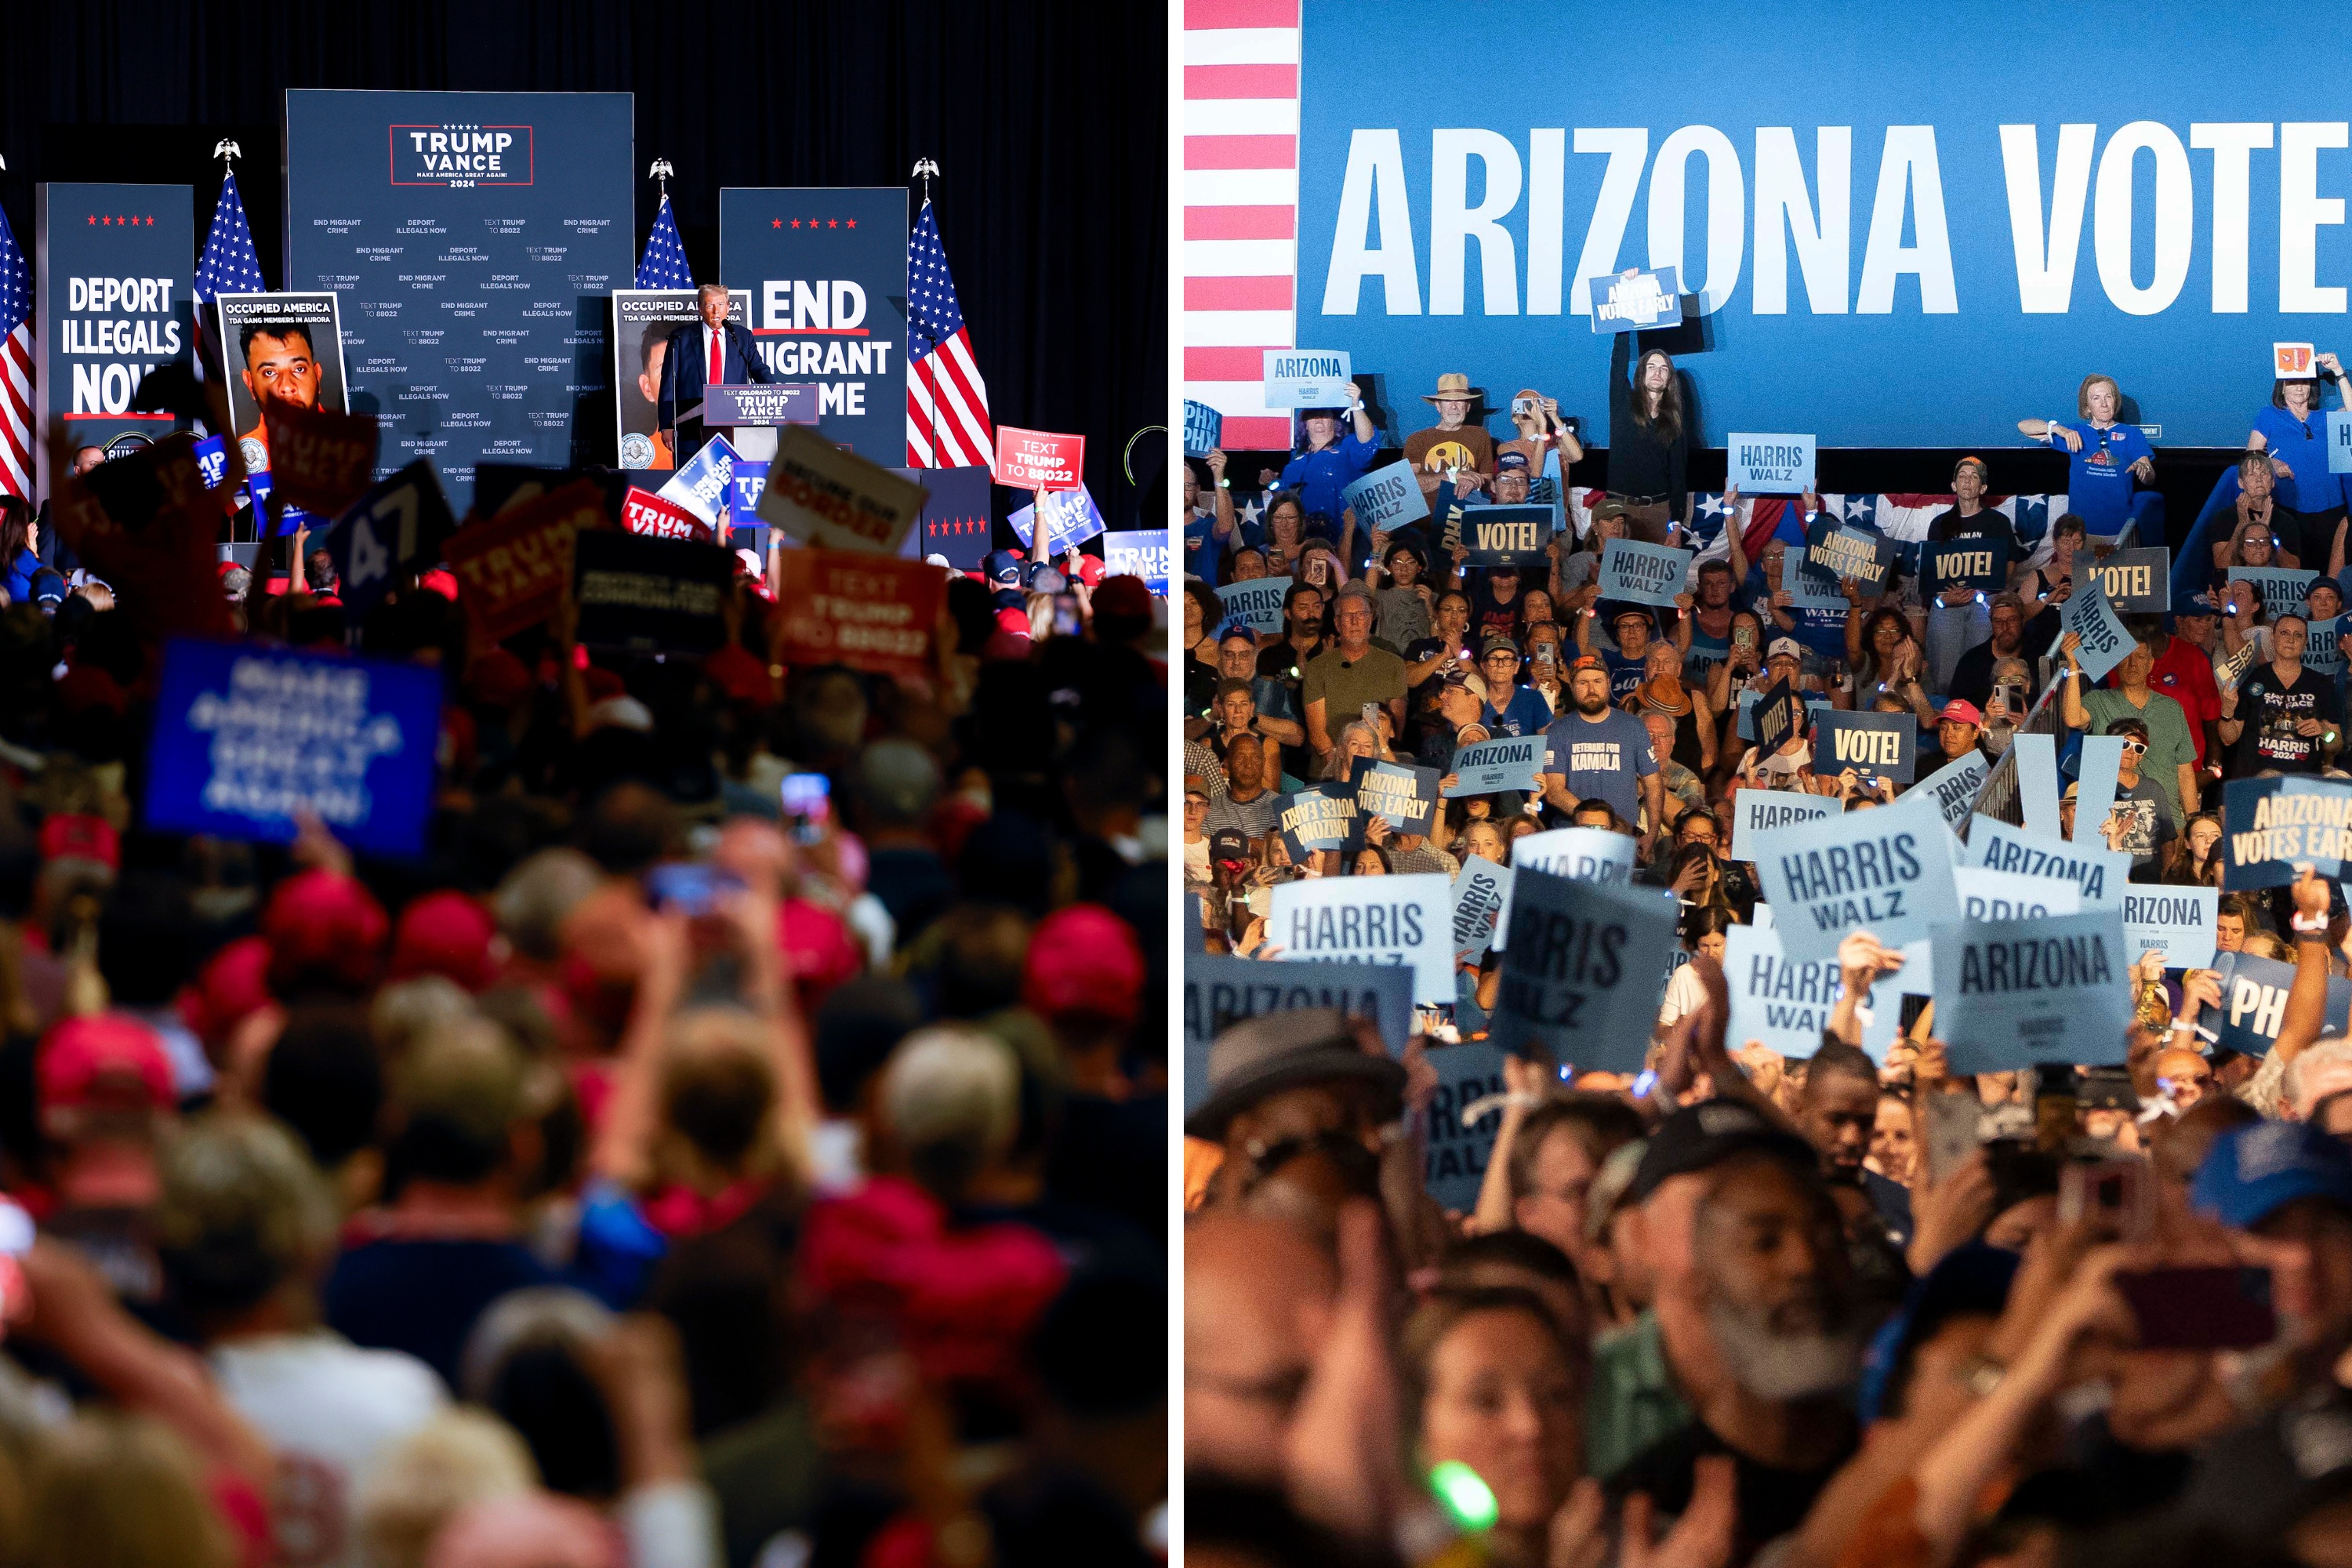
(1972, 675)
(1338, 683)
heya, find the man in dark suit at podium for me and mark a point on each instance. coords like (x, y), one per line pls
(711, 352)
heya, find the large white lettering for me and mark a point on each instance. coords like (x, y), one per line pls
(1785, 213)
(2111, 240)
(1908, 176)
(2302, 212)
(1612, 209)
(2045, 257)
(1454, 222)
(1726, 212)
(2233, 144)
(1375, 170)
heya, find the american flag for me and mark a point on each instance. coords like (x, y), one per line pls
(947, 403)
(17, 362)
(663, 266)
(229, 265)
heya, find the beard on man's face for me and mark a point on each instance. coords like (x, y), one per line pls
(1590, 704)
(1801, 1349)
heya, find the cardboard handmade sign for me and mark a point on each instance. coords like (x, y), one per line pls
(1581, 979)
(2010, 994)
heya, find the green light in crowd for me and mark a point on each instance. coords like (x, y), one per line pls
(1467, 1498)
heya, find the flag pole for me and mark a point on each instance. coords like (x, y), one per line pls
(923, 170)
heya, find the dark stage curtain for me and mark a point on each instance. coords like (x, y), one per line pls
(1048, 122)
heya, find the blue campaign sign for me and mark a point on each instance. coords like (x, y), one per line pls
(2254, 1004)
(1071, 518)
(1455, 1163)
(1635, 300)
(1642, 574)
(1830, 209)
(704, 485)
(1815, 706)
(823, 271)
(2282, 588)
(1138, 552)
(2175, 921)
(1840, 551)
(1580, 854)
(1776, 1003)
(1769, 465)
(2270, 825)
(1581, 977)
(1755, 811)
(1257, 604)
(1406, 922)
(1954, 786)
(1320, 817)
(1887, 871)
(2323, 648)
(1386, 498)
(1778, 716)
(1221, 992)
(398, 526)
(1399, 794)
(1484, 767)
(2340, 441)
(1306, 378)
(1881, 744)
(1977, 560)
(1482, 889)
(116, 299)
(1203, 428)
(212, 460)
(2098, 873)
(2105, 641)
(474, 238)
(1992, 896)
(2010, 994)
(246, 736)
(746, 479)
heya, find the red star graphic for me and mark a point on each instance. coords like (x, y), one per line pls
(109, 221)
(93, 218)
(151, 223)
(775, 223)
(833, 223)
(853, 223)
(796, 223)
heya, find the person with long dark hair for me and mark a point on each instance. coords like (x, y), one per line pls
(2293, 431)
(1649, 441)
(19, 548)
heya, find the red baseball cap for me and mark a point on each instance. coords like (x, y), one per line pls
(818, 947)
(1124, 596)
(1013, 622)
(1084, 959)
(317, 920)
(233, 985)
(1090, 570)
(77, 836)
(1959, 711)
(738, 675)
(440, 582)
(104, 1061)
(444, 934)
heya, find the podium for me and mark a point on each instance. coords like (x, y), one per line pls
(749, 415)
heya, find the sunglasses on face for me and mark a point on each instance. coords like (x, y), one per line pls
(2136, 748)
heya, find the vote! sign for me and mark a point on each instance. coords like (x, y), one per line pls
(1485, 767)
(850, 606)
(1769, 465)
(1887, 871)
(2268, 826)
(1882, 745)
(1977, 562)
(2138, 582)
(248, 737)
(1755, 811)
(514, 569)
(1777, 718)
(1257, 604)
(1634, 300)
(399, 526)
(650, 515)
(1306, 378)
(1386, 499)
(2176, 922)
(1038, 460)
(1505, 535)
(1581, 979)
(2010, 994)
(1642, 574)
(2098, 874)
(1403, 921)
(319, 460)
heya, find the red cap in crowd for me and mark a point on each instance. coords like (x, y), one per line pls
(317, 920)
(448, 934)
(104, 1062)
(500, 679)
(1090, 570)
(76, 836)
(818, 946)
(739, 674)
(1082, 959)
(440, 582)
(1124, 595)
(233, 985)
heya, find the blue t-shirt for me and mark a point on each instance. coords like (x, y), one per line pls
(2302, 446)
(1527, 713)
(1319, 477)
(1607, 756)
(2099, 484)
(1624, 674)
(1203, 549)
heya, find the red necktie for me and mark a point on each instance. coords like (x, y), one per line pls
(717, 373)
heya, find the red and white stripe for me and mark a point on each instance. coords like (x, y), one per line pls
(1240, 208)
(16, 413)
(947, 409)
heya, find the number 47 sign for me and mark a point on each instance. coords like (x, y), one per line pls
(388, 531)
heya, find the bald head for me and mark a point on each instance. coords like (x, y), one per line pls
(1257, 1296)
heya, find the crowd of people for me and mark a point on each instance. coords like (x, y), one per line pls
(1841, 1306)
(739, 1138)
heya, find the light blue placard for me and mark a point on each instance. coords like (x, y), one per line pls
(1205, 427)
(2283, 587)
(2175, 921)
(1769, 464)
(2340, 441)
(2323, 651)
(1811, 588)
(1887, 871)
(1257, 604)
(1481, 891)
(1994, 896)
(2098, 768)
(1403, 920)
(1635, 300)
(1483, 767)
(1140, 553)
(1455, 1163)
(1955, 787)
(2098, 872)
(1582, 984)
(1386, 498)
(1307, 378)
(2009, 994)
(1775, 1002)
(1071, 518)
(1221, 992)
(2037, 783)
(1758, 811)
(1581, 853)
(1642, 574)
(2087, 613)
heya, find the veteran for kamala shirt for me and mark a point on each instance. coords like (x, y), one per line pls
(2269, 710)
(1608, 756)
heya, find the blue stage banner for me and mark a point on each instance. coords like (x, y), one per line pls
(823, 272)
(246, 736)
(2140, 205)
(116, 267)
(475, 237)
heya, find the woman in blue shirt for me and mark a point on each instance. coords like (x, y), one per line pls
(18, 544)
(2293, 431)
(2109, 466)
(1339, 451)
